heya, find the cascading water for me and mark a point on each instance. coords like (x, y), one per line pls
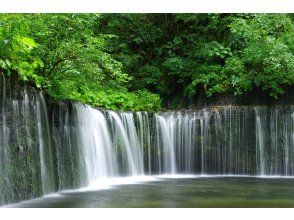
(48, 146)
(260, 154)
(96, 143)
(165, 141)
(126, 139)
(45, 146)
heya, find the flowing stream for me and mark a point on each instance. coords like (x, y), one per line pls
(47, 146)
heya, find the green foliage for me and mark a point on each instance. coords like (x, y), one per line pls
(132, 61)
(121, 100)
(208, 77)
(236, 76)
(267, 55)
(16, 48)
(186, 54)
(75, 61)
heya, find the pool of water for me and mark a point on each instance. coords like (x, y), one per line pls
(178, 192)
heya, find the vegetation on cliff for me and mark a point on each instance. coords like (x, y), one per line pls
(134, 61)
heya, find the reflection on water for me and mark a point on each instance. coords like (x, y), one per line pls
(180, 192)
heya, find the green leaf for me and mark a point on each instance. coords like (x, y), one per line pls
(29, 42)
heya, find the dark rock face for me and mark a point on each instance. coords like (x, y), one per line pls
(19, 150)
(256, 97)
(38, 144)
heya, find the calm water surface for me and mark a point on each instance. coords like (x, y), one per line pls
(181, 192)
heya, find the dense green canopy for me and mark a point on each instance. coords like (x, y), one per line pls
(133, 61)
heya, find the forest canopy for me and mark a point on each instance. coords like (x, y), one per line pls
(134, 61)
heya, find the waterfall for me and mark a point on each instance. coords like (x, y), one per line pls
(220, 141)
(165, 142)
(45, 146)
(96, 143)
(48, 146)
(125, 133)
(260, 151)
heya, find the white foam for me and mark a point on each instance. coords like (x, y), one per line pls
(50, 195)
(176, 176)
(109, 183)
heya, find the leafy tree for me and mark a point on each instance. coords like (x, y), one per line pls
(133, 61)
(178, 55)
(75, 62)
(16, 49)
(266, 54)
